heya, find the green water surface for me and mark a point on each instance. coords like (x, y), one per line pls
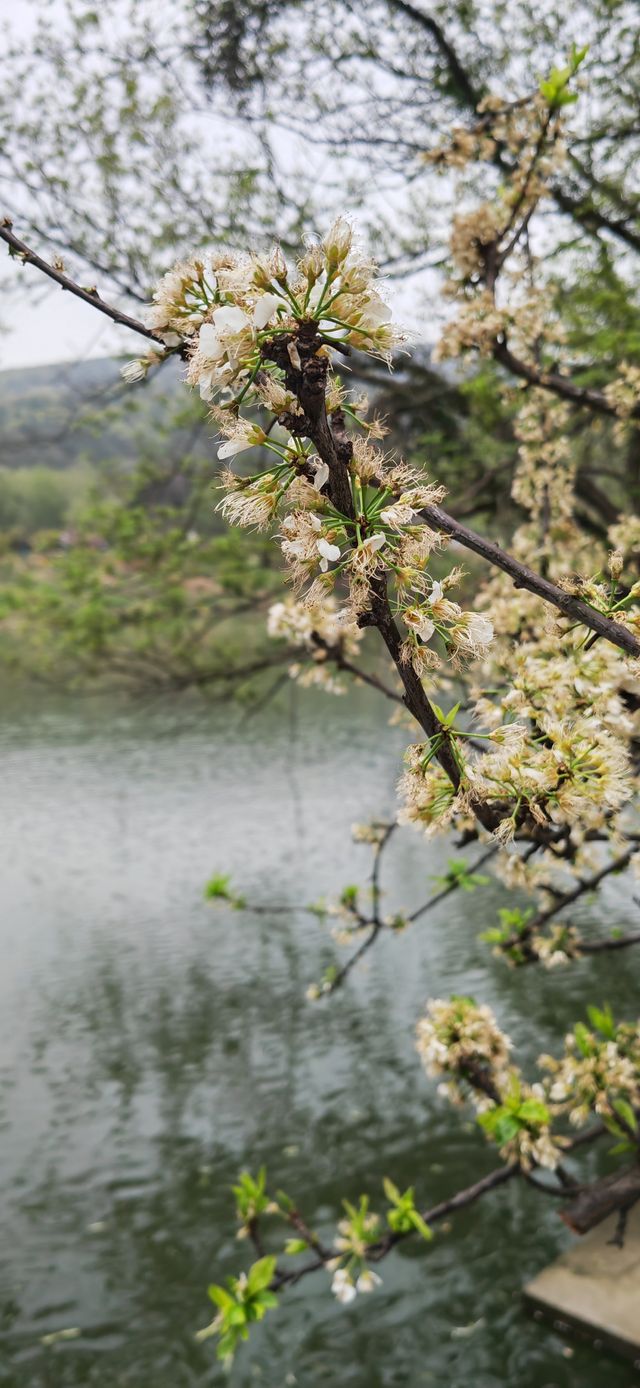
(152, 1044)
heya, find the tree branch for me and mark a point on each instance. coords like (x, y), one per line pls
(470, 94)
(500, 1176)
(558, 385)
(585, 884)
(89, 296)
(523, 577)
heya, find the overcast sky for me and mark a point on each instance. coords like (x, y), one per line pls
(55, 327)
(41, 323)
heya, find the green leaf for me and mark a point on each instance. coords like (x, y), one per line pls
(419, 1224)
(602, 1020)
(554, 89)
(506, 1128)
(626, 1113)
(218, 888)
(220, 1296)
(620, 1147)
(227, 1345)
(296, 1246)
(613, 1127)
(583, 1039)
(261, 1274)
(534, 1111)
(392, 1193)
(577, 56)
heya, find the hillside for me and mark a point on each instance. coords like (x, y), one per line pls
(68, 413)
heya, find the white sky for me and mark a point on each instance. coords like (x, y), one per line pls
(56, 328)
(41, 323)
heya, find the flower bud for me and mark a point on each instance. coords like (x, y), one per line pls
(616, 562)
(311, 264)
(337, 243)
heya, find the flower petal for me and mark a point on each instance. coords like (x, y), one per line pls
(232, 446)
(209, 342)
(229, 319)
(327, 550)
(265, 308)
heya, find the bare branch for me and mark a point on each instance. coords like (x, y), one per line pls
(89, 296)
(524, 577)
(563, 386)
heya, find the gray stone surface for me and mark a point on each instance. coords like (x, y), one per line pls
(595, 1287)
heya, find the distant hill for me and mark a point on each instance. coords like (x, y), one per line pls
(73, 412)
(83, 412)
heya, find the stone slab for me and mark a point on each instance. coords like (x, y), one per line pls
(594, 1287)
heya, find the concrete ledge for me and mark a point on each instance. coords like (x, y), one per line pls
(594, 1288)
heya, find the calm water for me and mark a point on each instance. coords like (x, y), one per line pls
(152, 1044)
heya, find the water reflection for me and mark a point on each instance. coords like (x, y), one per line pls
(153, 1043)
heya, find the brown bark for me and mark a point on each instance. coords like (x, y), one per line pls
(602, 1198)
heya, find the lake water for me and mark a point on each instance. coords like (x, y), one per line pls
(153, 1044)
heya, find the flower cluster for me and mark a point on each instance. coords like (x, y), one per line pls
(491, 256)
(356, 1233)
(382, 535)
(462, 1041)
(599, 1072)
(243, 1301)
(373, 833)
(519, 1123)
(558, 947)
(456, 1037)
(624, 392)
(428, 799)
(464, 635)
(321, 633)
(543, 482)
(566, 770)
(225, 305)
(251, 327)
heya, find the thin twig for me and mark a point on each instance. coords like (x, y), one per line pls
(524, 577)
(89, 296)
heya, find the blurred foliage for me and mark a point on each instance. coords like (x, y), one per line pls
(38, 498)
(250, 120)
(125, 572)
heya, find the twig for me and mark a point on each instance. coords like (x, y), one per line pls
(89, 296)
(499, 1176)
(602, 946)
(446, 891)
(586, 884)
(377, 925)
(375, 871)
(524, 577)
(335, 654)
(355, 958)
(593, 400)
